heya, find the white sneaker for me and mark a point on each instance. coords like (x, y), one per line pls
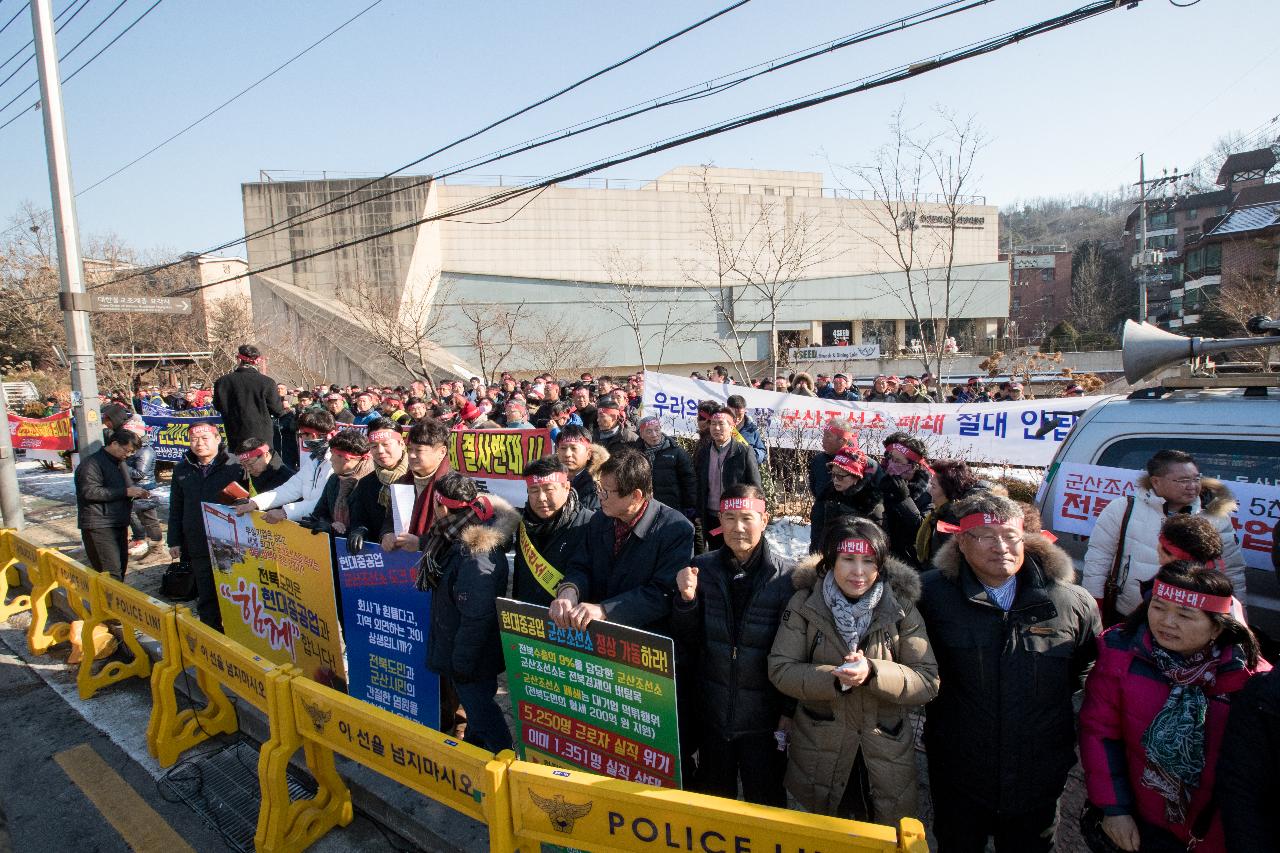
(139, 548)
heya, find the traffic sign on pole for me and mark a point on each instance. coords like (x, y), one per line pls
(126, 304)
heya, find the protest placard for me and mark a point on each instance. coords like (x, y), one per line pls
(51, 434)
(1010, 433)
(1081, 492)
(602, 700)
(167, 434)
(496, 458)
(385, 620)
(275, 590)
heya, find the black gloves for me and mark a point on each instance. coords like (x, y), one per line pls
(894, 488)
(355, 539)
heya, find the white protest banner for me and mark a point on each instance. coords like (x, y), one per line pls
(402, 498)
(1081, 492)
(1014, 433)
(853, 352)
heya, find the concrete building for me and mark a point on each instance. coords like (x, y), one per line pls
(590, 273)
(1039, 289)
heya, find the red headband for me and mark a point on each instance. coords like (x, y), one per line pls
(256, 452)
(977, 519)
(553, 477)
(747, 504)
(1183, 554)
(380, 434)
(856, 546)
(246, 359)
(481, 505)
(905, 451)
(347, 455)
(839, 430)
(574, 439)
(1187, 598)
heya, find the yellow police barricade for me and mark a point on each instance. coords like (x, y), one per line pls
(14, 550)
(461, 776)
(582, 810)
(135, 611)
(58, 571)
(283, 825)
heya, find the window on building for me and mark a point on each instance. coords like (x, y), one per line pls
(1046, 274)
(1049, 305)
(1164, 219)
(1015, 303)
(1195, 262)
(1213, 259)
(1192, 214)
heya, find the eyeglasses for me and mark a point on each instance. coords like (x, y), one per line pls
(989, 540)
(1185, 481)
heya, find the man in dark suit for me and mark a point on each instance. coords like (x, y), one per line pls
(247, 399)
(634, 548)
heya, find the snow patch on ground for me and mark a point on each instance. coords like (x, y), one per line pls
(789, 536)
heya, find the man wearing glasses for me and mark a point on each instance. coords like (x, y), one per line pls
(1171, 485)
(634, 547)
(104, 503)
(1014, 638)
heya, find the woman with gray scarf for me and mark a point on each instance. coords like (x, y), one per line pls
(852, 650)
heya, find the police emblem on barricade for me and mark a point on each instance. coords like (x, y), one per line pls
(562, 814)
(319, 716)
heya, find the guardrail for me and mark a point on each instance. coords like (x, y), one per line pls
(524, 805)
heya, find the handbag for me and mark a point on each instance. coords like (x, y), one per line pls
(1155, 839)
(1111, 589)
(178, 582)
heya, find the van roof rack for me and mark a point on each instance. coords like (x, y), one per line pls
(1254, 385)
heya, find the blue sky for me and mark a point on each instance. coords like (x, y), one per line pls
(1067, 112)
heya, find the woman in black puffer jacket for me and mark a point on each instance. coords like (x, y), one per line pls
(852, 492)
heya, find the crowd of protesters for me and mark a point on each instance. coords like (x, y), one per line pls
(932, 613)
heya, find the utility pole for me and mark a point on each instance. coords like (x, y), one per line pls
(1145, 255)
(10, 499)
(74, 299)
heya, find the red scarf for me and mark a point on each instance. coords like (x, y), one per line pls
(424, 504)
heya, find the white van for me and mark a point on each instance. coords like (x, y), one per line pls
(1233, 432)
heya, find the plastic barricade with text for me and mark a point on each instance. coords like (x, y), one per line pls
(14, 551)
(283, 825)
(581, 810)
(463, 777)
(136, 612)
(56, 571)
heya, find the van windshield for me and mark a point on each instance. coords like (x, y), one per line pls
(1231, 460)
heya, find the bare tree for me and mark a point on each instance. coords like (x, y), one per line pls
(751, 263)
(1093, 291)
(405, 328)
(920, 185)
(490, 330)
(30, 322)
(651, 314)
(558, 346)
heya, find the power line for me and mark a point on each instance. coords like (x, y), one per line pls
(62, 58)
(895, 75)
(11, 20)
(680, 96)
(31, 43)
(542, 101)
(90, 60)
(233, 98)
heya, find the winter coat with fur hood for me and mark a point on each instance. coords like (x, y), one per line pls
(1138, 561)
(464, 622)
(584, 482)
(1001, 733)
(832, 726)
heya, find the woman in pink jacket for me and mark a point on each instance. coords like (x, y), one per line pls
(1155, 707)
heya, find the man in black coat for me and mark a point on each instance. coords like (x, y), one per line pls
(612, 427)
(722, 461)
(264, 470)
(634, 548)
(1248, 773)
(1015, 638)
(674, 482)
(202, 475)
(247, 400)
(552, 528)
(104, 503)
(726, 614)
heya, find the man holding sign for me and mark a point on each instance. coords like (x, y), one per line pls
(552, 528)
